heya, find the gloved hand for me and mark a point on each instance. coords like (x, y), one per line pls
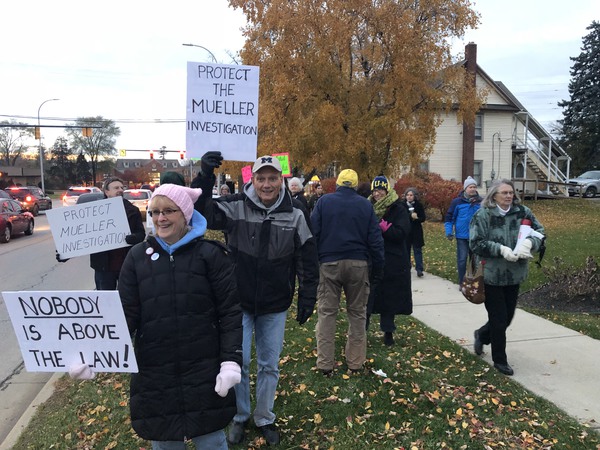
(131, 239)
(59, 259)
(384, 225)
(524, 250)
(229, 376)
(303, 314)
(209, 162)
(81, 372)
(449, 237)
(507, 254)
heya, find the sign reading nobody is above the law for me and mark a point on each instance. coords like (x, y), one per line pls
(60, 329)
(89, 228)
(222, 110)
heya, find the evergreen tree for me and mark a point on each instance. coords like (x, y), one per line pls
(581, 123)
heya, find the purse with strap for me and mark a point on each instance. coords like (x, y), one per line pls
(472, 286)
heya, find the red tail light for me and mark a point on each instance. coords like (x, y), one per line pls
(28, 198)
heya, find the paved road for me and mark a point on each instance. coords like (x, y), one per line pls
(27, 263)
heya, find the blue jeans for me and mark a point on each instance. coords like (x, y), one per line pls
(418, 252)
(462, 251)
(106, 281)
(215, 440)
(268, 330)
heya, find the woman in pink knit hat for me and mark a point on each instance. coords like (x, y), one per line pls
(180, 299)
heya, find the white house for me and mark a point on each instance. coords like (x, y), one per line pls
(505, 142)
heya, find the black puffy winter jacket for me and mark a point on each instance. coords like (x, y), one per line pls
(184, 310)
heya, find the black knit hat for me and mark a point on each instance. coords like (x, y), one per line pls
(172, 178)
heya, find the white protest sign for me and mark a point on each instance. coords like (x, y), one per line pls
(222, 110)
(89, 228)
(58, 329)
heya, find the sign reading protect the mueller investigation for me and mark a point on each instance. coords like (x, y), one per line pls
(60, 329)
(89, 227)
(222, 110)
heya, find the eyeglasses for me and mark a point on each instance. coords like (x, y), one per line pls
(164, 212)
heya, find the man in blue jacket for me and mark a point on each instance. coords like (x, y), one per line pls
(457, 222)
(348, 238)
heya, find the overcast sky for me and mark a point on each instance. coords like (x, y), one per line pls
(124, 60)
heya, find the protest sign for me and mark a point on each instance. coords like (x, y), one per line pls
(89, 228)
(246, 173)
(284, 160)
(60, 329)
(222, 110)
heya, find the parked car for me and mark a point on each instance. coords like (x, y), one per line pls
(89, 197)
(70, 197)
(31, 198)
(14, 220)
(588, 183)
(139, 198)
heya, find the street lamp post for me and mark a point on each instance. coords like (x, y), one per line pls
(40, 143)
(203, 48)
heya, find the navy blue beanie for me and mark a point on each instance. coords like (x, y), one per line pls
(380, 182)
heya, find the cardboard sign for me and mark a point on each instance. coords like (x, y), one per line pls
(89, 228)
(58, 329)
(222, 110)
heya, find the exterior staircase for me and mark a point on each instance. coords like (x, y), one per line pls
(541, 155)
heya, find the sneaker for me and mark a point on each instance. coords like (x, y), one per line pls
(477, 344)
(327, 372)
(270, 433)
(504, 368)
(388, 338)
(236, 432)
(419, 274)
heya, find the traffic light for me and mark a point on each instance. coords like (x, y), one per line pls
(86, 131)
(151, 154)
(181, 154)
(37, 132)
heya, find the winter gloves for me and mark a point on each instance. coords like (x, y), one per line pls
(384, 225)
(305, 310)
(209, 162)
(508, 254)
(132, 239)
(229, 376)
(525, 249)
(81, 372)
(449, 237)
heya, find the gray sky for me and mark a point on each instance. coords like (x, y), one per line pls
(124, 60)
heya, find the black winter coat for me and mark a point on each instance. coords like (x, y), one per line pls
(112, 260)
(415, 236)
(394, 295)
(185, 312)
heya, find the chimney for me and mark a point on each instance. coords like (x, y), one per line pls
(468, 156)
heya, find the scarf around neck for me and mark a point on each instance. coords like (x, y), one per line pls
(382, 205)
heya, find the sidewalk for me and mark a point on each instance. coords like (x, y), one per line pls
(553, 362)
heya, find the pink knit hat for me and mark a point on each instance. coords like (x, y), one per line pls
(184, 197)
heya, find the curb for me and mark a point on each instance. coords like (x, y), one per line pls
(44, 394)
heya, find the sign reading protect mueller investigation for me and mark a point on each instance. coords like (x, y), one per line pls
(222, 110)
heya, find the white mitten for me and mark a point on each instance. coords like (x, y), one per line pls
(507, 254)
(524, 250)
(81, 372)
(229, 376)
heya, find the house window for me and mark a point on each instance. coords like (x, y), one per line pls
(477, 169)
(174, 164)
(423, 166)
(137, 164)
(125, 163)
(479, 127)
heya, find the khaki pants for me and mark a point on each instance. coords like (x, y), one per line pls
(352, 276)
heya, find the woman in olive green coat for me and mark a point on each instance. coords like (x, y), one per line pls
(493, 236)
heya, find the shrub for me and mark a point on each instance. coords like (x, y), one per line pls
(435, 192)
(571, 283)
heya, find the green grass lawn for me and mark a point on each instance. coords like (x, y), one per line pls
(434, 394)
